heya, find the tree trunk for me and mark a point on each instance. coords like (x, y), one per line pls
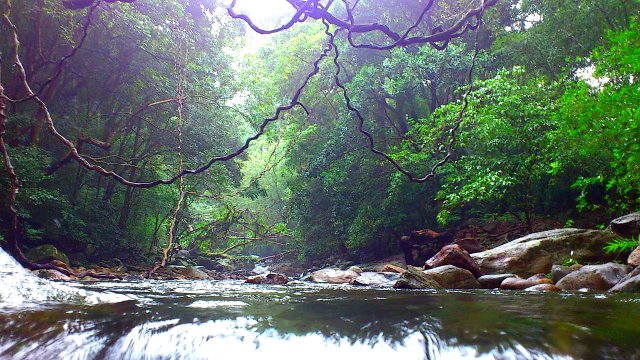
(128, 195)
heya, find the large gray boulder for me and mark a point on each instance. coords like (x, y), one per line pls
(595, 277)
(631, 282)
(453, 277)
(415, 278)
(536, 253)
(627, 226)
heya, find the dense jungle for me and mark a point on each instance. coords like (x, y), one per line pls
(403, 144)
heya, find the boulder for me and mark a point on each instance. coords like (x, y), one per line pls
(183, 255)
(560, 271)
(46, 253)
(221, 264)
(471, 245)
(179, 262)
(521, 284)
(376, 279)
(421, 245)
(453, 255)
(61, 264)
(627, 226)
(393, 268)
(631, 282)
(634, 258)
(52, 275)
(286, 267)
(379, 265)
(595, 277)
(333, 276)
(190, 272)
(540, 276)
(536, 253)
(543, 288)
(452, 277)
(415, 278)
(493, 281)
(270, 278)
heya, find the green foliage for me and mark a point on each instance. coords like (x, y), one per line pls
(621, 246)
(537, 140)
(569, 262)
(599, 130)
(44, 212)
(552, 37)
(503, 148)
(127, 62)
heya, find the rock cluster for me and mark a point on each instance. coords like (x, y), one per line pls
(530, 263)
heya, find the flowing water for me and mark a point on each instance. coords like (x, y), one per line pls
(231, 320)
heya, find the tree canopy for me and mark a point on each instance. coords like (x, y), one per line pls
(349, 125)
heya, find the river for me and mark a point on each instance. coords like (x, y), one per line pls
(192, 319)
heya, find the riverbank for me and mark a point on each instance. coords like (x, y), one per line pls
(311, 318)
(556, 260)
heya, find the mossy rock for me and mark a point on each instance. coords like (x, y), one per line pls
(46, 253)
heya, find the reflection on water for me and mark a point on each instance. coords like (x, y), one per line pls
(219, 320)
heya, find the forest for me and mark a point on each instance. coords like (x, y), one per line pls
(133, 130)
(319, 179)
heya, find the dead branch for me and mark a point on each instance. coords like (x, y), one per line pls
(452, 132)
(438, 38)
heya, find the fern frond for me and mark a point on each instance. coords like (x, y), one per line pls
(621, 245)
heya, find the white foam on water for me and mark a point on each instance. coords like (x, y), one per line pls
(203, 304)
(21, 288)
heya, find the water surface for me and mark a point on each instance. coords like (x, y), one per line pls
(232, 320)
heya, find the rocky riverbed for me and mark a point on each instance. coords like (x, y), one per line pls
(443, 310)
(549, 261)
